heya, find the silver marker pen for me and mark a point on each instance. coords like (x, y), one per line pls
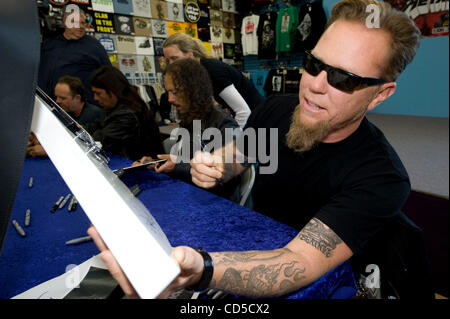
(27, 218)
(56, 205)
(18, 228)
(64, 201)
(79, 240)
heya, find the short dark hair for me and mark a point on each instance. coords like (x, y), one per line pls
(75, 85)
(192, 80)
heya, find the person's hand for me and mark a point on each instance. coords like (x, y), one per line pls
(206, 170)
(112, 264)
(190, 262)
(168, 166)
(191, 270)
(36, 151)
(32, 140)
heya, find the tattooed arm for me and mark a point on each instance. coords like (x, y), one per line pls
(311, 254)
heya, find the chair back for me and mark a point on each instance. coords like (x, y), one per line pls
(247, 181)
(399, 252)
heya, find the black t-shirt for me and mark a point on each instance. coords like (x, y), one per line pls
(223, 75)
(292, 79)
(312, 21)
(355, 186)
(89, 114)
(274, 82)
(266, 34)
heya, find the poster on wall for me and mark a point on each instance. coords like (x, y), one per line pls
(108, 41)
(104, 22)
(124, 24)
(142, 8)
(142, 26)
(192, 12)
(431, 17)
(103, 5)
(175, 12)
(83, 4)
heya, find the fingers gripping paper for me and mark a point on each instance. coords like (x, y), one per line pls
(128, 229)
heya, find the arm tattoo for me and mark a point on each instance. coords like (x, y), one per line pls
(319, 236)
(258, 279)
(246, 256)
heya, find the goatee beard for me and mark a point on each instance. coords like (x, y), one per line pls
(302, 138)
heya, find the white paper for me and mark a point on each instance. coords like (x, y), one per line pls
(59, 287)
(128, 229)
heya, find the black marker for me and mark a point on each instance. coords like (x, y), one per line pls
(55, 207)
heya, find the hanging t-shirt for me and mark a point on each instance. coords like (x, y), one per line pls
(216, 34)
(287, 23)
(204, 20)
(292, 81)
(228, 36)
(312, 20)
(249, 34)
(274, 82)
(285, 81)
(228, 6)
(228, 51)
(215, 4)
(259, 79)
(228, 20)
(266, 35)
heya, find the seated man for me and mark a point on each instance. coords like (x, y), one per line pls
(189, 90)
(70, 95)
(127, 126)
(69, 92)
(338, 181)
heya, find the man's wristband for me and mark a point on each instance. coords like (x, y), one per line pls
(208, 270)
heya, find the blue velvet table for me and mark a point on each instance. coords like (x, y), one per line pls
(188, 215)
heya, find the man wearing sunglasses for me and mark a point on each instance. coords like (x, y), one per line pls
(338, 180)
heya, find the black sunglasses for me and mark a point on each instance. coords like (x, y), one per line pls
(337, 78)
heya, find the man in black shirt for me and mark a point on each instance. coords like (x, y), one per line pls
(337, 180)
